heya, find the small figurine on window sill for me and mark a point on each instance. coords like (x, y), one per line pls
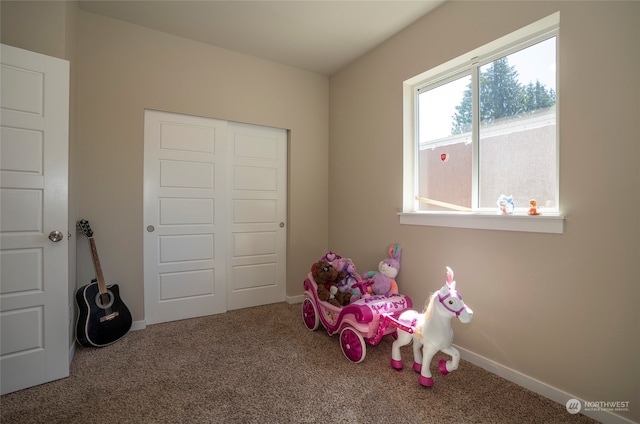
(505, 205)
(533, 207)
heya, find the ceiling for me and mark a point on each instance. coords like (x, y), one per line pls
(319, 36)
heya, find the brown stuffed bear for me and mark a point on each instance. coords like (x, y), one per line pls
(326, 277)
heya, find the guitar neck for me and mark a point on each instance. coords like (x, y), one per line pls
(102, 286)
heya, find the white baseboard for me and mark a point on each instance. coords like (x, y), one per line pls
(138, 325)
(295, 299)
(539, 387)
(72, 351)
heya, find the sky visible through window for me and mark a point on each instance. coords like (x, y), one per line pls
(537, 62)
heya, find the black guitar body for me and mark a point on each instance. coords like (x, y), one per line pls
(100, 325)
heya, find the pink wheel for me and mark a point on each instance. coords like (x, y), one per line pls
(310, 315)
(352, 345)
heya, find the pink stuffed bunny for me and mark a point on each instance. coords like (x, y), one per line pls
(383, 280)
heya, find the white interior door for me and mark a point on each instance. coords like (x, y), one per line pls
(184, 215)
(257, 215)
(214, 211)
(34, 302)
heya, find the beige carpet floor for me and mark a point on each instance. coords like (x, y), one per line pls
(261, 365)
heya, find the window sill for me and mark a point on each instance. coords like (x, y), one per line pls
(552, 223)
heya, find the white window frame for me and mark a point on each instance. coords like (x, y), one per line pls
(411, 215)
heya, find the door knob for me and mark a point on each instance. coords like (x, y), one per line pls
(55, 236)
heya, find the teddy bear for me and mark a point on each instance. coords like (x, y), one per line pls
(326, 278)
(343, 264)
(383, 281)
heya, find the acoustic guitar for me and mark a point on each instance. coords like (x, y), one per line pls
(103, 318)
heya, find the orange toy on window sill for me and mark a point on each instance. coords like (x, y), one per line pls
(533, 207)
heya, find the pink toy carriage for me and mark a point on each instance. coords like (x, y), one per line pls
(364, 320)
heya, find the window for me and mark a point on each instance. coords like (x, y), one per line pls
(482, 127)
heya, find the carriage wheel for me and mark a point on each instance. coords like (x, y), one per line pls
(352, 345)
(310, 315)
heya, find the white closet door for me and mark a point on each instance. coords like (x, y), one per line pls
(214, 198)
(184, 217)
(257, 225)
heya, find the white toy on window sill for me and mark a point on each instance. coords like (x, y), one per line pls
(505, 205)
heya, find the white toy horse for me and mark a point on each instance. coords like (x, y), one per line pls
(431, 331)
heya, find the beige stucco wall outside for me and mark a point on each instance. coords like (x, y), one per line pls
(563, 309)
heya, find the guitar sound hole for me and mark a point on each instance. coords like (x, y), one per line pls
(108, 296)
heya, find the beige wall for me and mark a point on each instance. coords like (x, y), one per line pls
(562, 309)
(121, 69)
(39, 26)
(559, 308)
(124, 69)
